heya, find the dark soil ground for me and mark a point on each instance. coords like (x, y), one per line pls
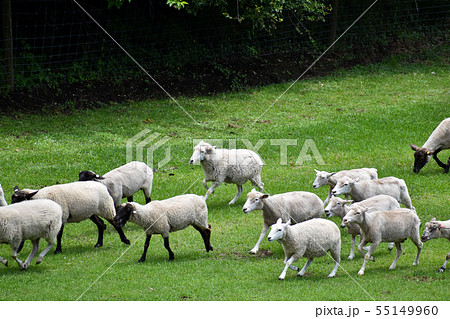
(205, 78)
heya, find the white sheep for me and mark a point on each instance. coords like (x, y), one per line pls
(337, 207)
(30, 220)
(386, 226)
(324, 178)
(437, 229)
(2, 197)
(361, 190)
(166, 216)
(236, 166)
(124, 181)
(297, 206)
(79, 201)
(439, 140)
(310, 239)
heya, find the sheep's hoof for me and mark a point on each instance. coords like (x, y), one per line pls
(126, 241)
(58, 251)
(350, 257)
(280, 278)
(141, 260)
(442, 269)
(98, 245)
(360, 273)
(253, 252)
(6, 263)
(38, 261)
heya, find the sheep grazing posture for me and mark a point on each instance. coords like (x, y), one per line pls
(236, 166)
(361, 190)
(166, 216)
(124, 181)
(310, 239)
(337, 207)
(439, 140)
(324, 178)
(385, 226)
(437, 229)
(2, 197)
(79, 201)
(31, 220)
(296, 206)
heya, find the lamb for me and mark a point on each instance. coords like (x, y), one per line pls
(236, 166)
(437, 229)
(30, 220)
(361, 190)
(310, 239)
(337, 207)
(79, 201)
(385, 226)
(166, 216)
(439, 140)
(297, 206)
(325, 178)
(2, 197)
(124, 181)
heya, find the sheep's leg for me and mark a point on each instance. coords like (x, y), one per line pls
(288, 263)
(101, 228)
(144, 254)
(399, 252)
(303, 271)
(119, 230)
(30, 257)
(20, 247)
(258, 183)
(325, 202)
(367, 257)
(167, 246)
(204, 182)
(147, 192)
(206, 234)
(41, 256)
(335, 254)
(211, 189)
(238, 194)
(391, 246)
(361, 245)
(58, 249)
(261, 237)
(442, 269)
(130, 198)
(352, 249)
(5, 262)
(416, 240)
(438, 161)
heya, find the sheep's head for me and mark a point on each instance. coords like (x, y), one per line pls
(336, 207)
(343, 186)
(432, 230)
(321, 178)
(254, 201)
(124, 213)
(22, 195)
(89, 176)
(200, 152)
(277, 230)
(421, 157)
(355, 215)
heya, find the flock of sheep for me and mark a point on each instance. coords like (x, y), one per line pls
(294, 218)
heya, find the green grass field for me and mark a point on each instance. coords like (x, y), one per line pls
(364, 117)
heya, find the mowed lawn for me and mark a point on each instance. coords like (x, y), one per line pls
(364, 117)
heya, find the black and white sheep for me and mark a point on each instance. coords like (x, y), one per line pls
(437, 229)
(31, 220)
(310, 239)
(324, 178)
(439, 140)
(79, 201)
(338, 207)
(297, 206)
(235, 166)
(124, 181)
(386, 226)
(361, 190)
(166, 216)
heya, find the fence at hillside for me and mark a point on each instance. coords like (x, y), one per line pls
(48, 41)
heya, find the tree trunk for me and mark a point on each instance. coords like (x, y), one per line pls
(7, 41)
(333, 23)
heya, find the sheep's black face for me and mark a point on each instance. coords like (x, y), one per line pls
(421, 157)
(88, 176)
(21, 195)
(123, 215)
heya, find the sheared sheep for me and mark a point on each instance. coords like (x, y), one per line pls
(124, 181)
(324, 178)
(437, 229)
(337, 207)
(166, 216)
(385, 226)
(361, 190)
(310, 239)
(29, 220)
(235, 166)
(79, 201)
(439, 140)
(296, 206)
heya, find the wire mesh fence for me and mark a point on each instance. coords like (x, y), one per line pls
(54, 41)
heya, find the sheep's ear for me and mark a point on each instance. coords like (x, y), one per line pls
(413, 147)
(264, 196)
(433, 219)
(347, 201)
(279, 221)
(99, 176)
(289, 222)
(331, 174)
(356, 180)
(29, 195)
(316, 171)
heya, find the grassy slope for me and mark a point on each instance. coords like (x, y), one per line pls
(363, 117)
